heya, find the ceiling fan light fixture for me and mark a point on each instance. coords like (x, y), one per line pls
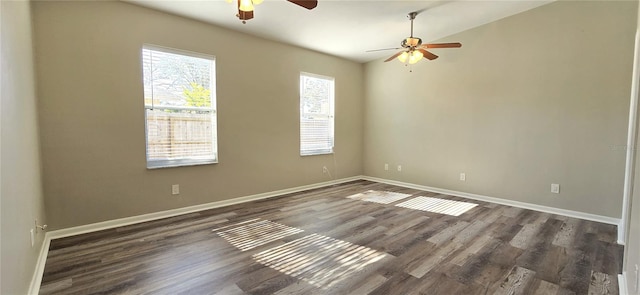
(403, 57)
(246, 5)
(415, 57)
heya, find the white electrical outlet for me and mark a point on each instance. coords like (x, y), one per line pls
(555, 188)
(386, 166)
(463, 176)
(399, 168)
(33, 238)
(175, 189)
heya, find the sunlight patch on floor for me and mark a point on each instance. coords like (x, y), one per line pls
(381, 197)
(249, 234)
(435, 205)
(319, 260)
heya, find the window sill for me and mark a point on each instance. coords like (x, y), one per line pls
(316, 154)
(158, 164)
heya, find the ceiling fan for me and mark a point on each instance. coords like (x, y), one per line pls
(412, 48)
(245, 7)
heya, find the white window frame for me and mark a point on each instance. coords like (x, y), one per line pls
(154, 164)
(331, 116)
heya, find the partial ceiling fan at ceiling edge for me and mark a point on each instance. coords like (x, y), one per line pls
(245, 7)
(308, 4)
(412, 48)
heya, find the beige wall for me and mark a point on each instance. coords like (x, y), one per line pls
(537, 98)
(21, 198)
(92, 117)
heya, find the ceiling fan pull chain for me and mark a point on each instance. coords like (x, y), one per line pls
(412, 16)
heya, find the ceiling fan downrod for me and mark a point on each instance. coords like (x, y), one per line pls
(412, 16)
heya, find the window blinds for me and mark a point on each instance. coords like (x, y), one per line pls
(179, 98)
(316, 114)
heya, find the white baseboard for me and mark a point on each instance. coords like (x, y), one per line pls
(622, 284)
(552, 210)
(36, 280)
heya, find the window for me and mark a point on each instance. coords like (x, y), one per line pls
(316, 114)
(180, 107)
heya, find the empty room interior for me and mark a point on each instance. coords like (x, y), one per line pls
(319, 147)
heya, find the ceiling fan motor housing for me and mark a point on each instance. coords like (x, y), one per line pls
(410, 42)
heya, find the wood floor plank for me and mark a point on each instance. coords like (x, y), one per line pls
(56, 286)
(300, 287)
(423, 266)
(232, 289)
(341, 246)
(474, 229)
(505, 254)
(448, 233)
(440, 283)
(467, 252)
(403, 223)
(395, 284)
(601, 283)
(479, 265)
(551, 264)
(512, 212)
(370, 284)
(526, 234)
(608, 258)
(516, 282)
(573, 276)
(546, 288)
(567, 233)
(537, 249)
(505, 230)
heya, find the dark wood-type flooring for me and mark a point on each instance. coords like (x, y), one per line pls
(322, 242)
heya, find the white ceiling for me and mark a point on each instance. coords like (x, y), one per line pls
(349, 28)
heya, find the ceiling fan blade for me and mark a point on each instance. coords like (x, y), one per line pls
(393, 56)
(396, 48)
(428, 55)
(308, 4)
(442, 45)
